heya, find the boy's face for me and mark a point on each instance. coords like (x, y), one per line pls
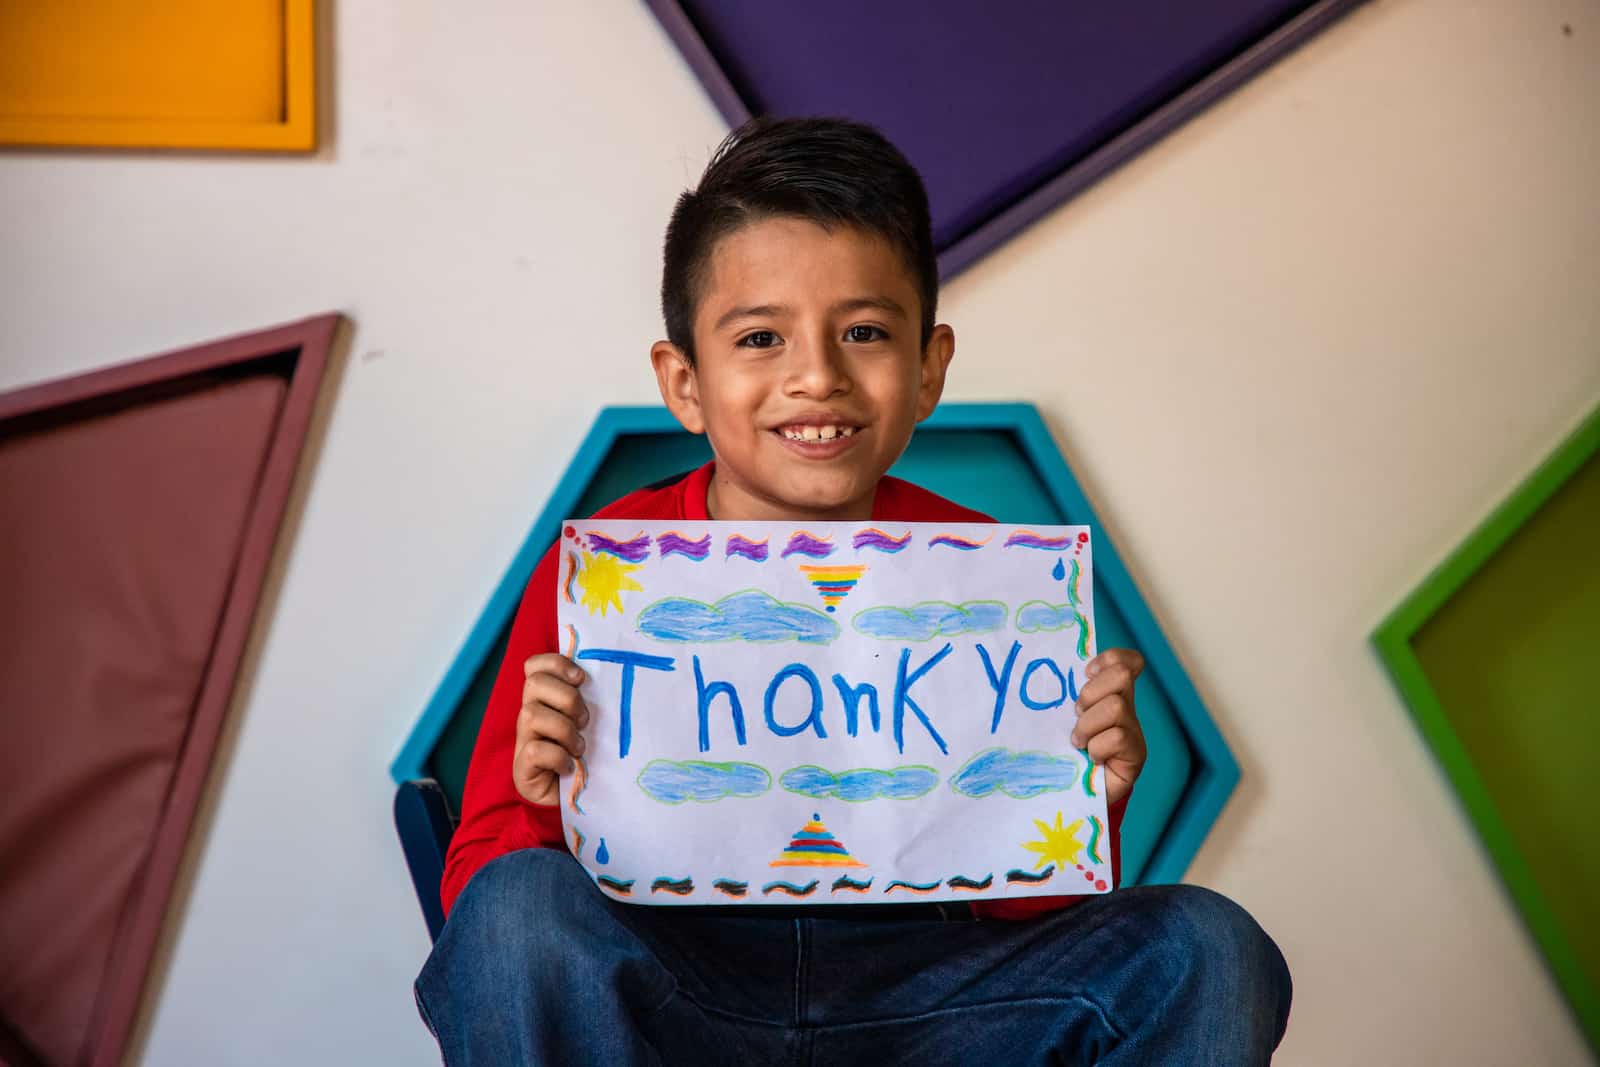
(810, 373)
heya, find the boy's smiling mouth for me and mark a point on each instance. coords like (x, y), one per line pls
(825, 432)
(820, 435)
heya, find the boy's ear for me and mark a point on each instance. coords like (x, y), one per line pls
(680, 390)
(941, 348)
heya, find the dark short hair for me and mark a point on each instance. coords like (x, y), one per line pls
(834, 172)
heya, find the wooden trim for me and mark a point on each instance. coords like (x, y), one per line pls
(1393, 641)
(1082, 172)
(309, 343)
(313, 339)
(295, 130)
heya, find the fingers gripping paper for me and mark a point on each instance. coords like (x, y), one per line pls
(841, 713)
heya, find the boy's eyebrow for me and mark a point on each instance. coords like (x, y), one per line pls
(860, 303)
(863, 303)
(758, 311)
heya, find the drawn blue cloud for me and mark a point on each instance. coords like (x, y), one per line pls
(1036, 615)
(1018, 775)
(930, 619)
(748, 615)
(673, 782)
(865, 783)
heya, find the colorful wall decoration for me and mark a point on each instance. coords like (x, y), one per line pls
(1495, 654)
(176, 74)
(1006, 112)
(142, 505)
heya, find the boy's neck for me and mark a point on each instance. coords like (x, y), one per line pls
(726, 501)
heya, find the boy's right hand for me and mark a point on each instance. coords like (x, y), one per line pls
(547, 727)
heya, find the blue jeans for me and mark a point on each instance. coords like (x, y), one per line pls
(537, 966)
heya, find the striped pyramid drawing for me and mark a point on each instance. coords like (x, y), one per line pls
(833, 582)
(813, 846)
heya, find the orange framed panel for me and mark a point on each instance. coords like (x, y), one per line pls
(179, 74)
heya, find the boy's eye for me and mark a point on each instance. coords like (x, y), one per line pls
(863, 334)
(759, 339)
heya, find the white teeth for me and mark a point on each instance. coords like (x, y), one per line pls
(817, 433)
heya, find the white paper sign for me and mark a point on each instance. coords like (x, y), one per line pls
(840, 713)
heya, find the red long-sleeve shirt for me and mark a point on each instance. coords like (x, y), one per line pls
(496, 820)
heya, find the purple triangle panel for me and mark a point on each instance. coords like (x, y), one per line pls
(1007, 111)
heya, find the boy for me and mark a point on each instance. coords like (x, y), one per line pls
(799, 289)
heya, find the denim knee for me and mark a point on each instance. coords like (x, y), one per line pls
(548, 877)
(522, 908)
(535, 965)
(1221, 948)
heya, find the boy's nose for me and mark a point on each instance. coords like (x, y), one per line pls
(816, 368)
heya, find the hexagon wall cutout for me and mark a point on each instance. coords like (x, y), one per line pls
(998, 458)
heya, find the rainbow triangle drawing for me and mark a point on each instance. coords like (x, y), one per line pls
(813, 846)
(833, 582)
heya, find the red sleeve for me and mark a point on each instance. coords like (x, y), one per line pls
(494, 817)
(1032, 907)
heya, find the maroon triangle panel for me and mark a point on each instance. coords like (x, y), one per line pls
(139, 507)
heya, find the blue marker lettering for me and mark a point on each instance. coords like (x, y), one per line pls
(850, 697)
(1027, 674)
(705, 694)
(813, 720)
(902, 697)
(629, 661)
(1001, 684)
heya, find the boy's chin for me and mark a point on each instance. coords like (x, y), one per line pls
(826, 492)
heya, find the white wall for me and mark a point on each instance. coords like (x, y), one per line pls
(1295, 352)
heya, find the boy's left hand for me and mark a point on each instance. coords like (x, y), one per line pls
(1107, 724)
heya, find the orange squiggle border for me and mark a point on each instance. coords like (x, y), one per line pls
(572, 576)
(580, 778)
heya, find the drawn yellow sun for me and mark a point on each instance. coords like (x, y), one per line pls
(1058, 844)
(604, 579)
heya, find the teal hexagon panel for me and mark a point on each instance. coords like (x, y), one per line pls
(998, 458)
